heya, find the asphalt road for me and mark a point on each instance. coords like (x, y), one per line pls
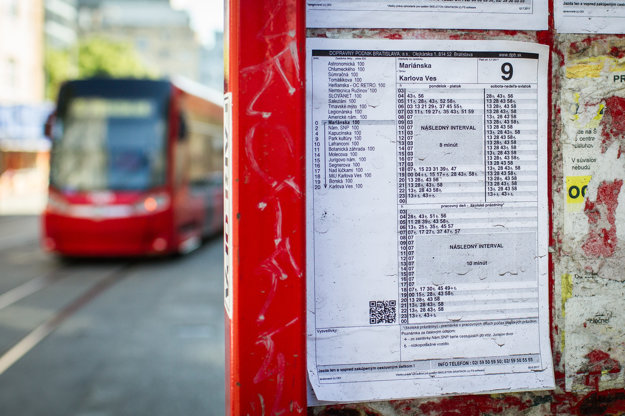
(116, 337)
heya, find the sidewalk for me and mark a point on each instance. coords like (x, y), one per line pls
(23, 192)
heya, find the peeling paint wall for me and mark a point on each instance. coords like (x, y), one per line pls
(589, 225)
(588, 233)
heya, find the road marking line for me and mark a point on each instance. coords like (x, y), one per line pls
(18, 293)
(31, 340)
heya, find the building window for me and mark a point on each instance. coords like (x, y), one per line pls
(142, 44)
(8, 77)
(164, 53)
(11, 74)
(13, 8)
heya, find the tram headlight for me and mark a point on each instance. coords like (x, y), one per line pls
(152, 204)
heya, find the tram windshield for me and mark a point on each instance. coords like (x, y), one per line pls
(110, 143)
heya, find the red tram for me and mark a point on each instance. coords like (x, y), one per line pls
(135, 168)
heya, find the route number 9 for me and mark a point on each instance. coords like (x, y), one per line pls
(506, 70)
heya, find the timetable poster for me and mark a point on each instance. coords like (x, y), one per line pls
(427, 218)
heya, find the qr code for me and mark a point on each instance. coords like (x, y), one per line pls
(382, 311)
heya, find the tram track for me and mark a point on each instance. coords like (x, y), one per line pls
(100, 332)
(40, 332)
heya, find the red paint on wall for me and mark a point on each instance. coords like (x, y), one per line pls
(617, 52)
(614, 123)
(564, 404)
(577, 47)
(601, 241)
(605, 403)
(393, 36)
(475, 405)
(598, 363)
(561, 62)
(347, 410)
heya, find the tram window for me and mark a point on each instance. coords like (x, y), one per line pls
(183, 129)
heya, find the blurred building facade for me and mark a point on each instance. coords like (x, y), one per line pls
(21, 51)
(162, 36)
(61, 17)
(23, 155)
(211, 64)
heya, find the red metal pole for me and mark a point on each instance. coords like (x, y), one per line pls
(265, 347)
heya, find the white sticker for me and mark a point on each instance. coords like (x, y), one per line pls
(606, 16)
(427, 219)
(428, 14)
(228, 212)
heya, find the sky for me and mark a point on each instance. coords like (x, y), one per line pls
(207, 16)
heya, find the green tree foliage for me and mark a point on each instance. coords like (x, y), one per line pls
(103, 57)
(93, 57)
(58, 68)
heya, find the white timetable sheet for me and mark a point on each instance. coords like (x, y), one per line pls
(427, 219)
(428, 14)
(590, 16)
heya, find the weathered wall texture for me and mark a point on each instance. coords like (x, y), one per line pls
(588, 219)
(588, 234)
